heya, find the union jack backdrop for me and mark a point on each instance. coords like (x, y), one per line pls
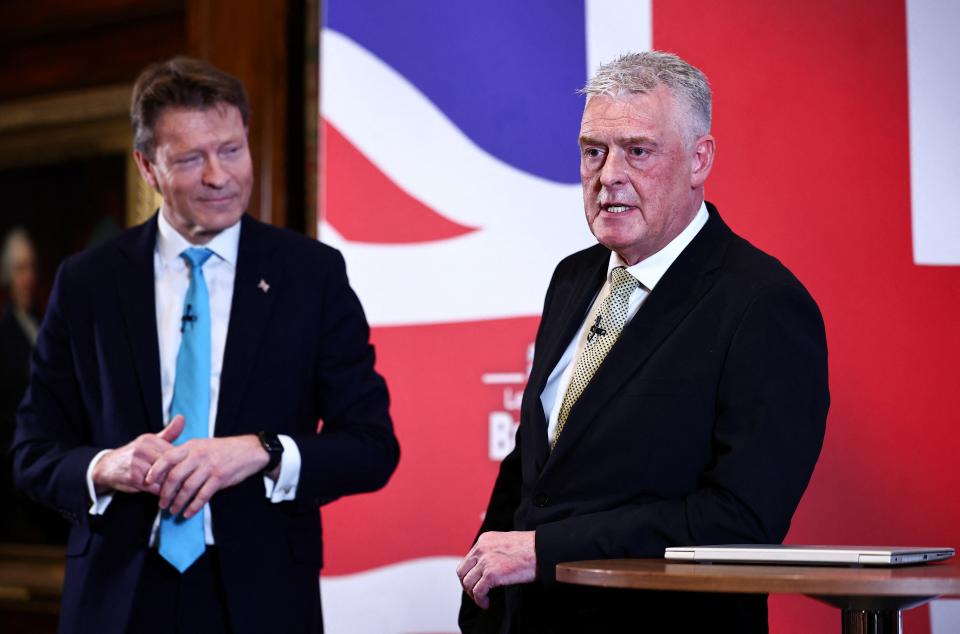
(450, 182)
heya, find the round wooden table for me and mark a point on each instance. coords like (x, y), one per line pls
(870, 598)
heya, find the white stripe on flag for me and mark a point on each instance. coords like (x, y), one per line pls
(615, 27)
(418, 595)
(945, 617)
(933, 52)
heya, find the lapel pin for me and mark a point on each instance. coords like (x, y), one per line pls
(263, 286)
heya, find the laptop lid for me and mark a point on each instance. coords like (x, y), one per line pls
(809, 555)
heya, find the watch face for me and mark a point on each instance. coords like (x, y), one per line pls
(273, 447)
(271, 443)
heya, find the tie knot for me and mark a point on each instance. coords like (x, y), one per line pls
(196, 256)
(623, 282)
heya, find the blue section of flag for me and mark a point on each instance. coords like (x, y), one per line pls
(505, 72)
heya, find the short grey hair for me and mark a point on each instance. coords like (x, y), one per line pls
(643, 72)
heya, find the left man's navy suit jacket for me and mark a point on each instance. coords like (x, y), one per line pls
(295, 354)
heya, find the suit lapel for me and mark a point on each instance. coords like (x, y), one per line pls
(135, 287)
(686, 281)
(573, 298)
(249, 315)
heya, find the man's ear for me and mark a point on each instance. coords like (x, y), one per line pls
(704, 150)
(146, 168)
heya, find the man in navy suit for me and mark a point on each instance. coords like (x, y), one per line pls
(678, 394)
(101, 435)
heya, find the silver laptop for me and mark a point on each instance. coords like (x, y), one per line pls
(809, 555)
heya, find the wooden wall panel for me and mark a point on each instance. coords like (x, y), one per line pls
(31, 19)
(55, 46)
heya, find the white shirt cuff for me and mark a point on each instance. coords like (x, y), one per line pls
(100, 502)
(285, 488)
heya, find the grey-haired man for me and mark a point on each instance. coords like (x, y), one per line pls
(678, 393)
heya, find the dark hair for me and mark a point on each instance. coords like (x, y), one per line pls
(181, 82)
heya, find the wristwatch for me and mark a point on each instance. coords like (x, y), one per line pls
(273, 447)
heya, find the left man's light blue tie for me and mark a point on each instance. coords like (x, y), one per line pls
(182, 540)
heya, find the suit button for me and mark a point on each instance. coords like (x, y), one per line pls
(541, 500)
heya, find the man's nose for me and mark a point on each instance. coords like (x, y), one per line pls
(613, 171)
(213, 173)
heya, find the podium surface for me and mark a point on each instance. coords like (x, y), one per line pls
(870, 599)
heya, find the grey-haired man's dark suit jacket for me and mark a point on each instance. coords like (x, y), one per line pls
(702, 426)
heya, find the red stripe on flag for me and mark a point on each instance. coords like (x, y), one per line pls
(364, 205)
(441, 406)
(813, 166)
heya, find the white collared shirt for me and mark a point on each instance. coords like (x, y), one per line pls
(171, 281)
(171, 276)
(648, 272)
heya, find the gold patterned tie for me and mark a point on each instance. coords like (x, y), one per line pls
(604, 332)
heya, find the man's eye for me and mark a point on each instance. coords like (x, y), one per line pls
(637, 151)
(186, 160)
(591, 152)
